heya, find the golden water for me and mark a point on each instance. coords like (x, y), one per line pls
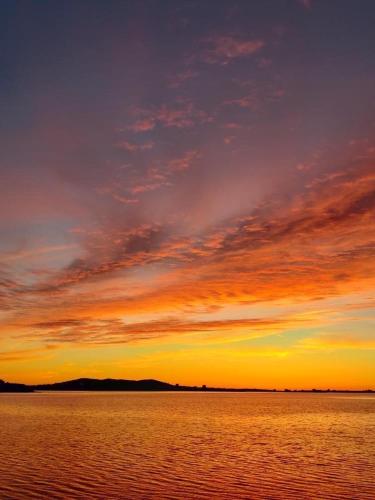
(187, 446)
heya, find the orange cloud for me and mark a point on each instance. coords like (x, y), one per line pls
(317, 245)
(114, 331)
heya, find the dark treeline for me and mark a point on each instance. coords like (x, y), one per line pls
(8, 387)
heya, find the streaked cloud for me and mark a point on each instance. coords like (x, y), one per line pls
(26, 354)
(341, 340)
(113, 331)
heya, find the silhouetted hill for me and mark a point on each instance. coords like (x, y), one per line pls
(90, 384)
(8, 387)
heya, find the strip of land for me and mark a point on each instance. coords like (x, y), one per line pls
(9, 387)
(90, 384)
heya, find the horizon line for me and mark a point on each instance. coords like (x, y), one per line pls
(202, 387)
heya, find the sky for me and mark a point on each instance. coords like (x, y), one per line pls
(188, 192)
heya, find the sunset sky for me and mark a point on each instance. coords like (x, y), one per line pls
(188, 191)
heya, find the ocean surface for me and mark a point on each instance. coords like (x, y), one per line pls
(187, 446)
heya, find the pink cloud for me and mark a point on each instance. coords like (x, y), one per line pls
(264, 62)
(124, 200)
(229, 139)
(183, 115)
(157, 178)
(134, 147)
(178, 79)
(222, 49)
(143, 188)
(143, 125)
(180, 115)
(250, 101)
(232, 125)
(184, 162)
(256, 96)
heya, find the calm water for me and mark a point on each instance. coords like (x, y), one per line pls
(187, 445)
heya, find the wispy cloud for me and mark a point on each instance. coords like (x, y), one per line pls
(143, 125)
(113, 331)
(178, 79)
(184, 162)
(318, 245)
(223, 49)
(159, 176)
(145, 188)
(341, 340)
(256, 96)
(183, 114)
(133, 147)
(26, 354)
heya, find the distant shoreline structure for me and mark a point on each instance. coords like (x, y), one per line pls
(148, 385)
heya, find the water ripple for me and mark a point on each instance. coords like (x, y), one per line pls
(186, 446)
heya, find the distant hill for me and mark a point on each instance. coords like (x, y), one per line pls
(90, 384)
(8, 387)
(109, 384)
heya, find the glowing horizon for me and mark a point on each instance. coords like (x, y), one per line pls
(188, 194)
